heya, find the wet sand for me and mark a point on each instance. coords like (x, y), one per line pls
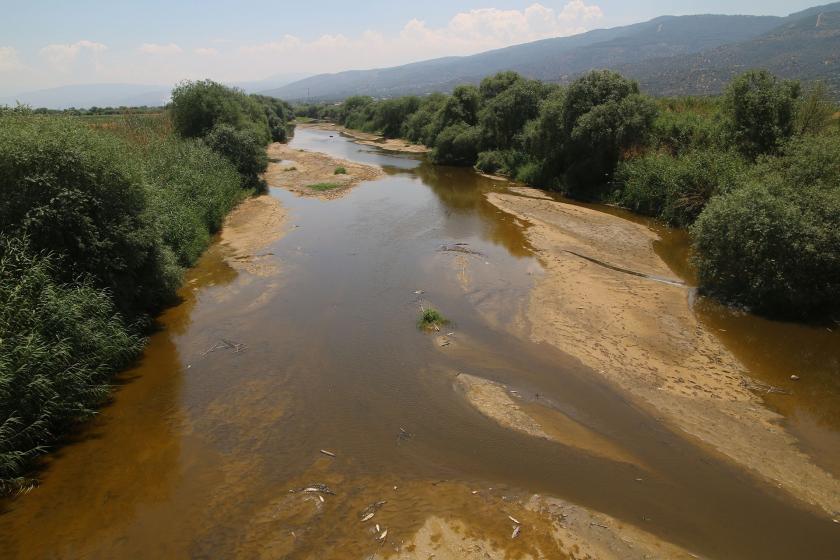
(642, 334)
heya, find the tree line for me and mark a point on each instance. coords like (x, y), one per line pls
(754, 174)
(98, 221)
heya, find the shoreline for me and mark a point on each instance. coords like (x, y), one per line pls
(643, 336)
(298, 170)
(369, 139)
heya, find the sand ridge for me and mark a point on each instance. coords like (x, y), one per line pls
(643, 335)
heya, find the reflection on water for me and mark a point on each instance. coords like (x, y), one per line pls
(198, 452)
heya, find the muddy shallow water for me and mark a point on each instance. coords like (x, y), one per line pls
(251, 376)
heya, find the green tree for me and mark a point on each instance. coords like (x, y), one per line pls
(760, 111)
(504, 115)
(491, 86)
(457, 145)
(197, 107)
(243, 149)
(392, 114)
(773, 247)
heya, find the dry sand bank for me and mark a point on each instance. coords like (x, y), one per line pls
(248, 229)
(368, 139)
(297, 170)
(643, 336)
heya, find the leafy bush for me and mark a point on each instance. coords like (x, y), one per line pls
(197, 107)
(774, 247)
(761, 111)
(59, 344)
(677, 189)
(680, 131)
(80, 195)
(340, 170)
(191, 190)
(504, 162)
(457, 145)
(121, 209)
(431, 319)
(243, 149)
(391, 114)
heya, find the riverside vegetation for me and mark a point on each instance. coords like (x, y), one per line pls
(754, 174)
(98, 220)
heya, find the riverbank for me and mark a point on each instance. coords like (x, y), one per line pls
(368, 139)
(251, 227)
(607, 299)
(315, 174)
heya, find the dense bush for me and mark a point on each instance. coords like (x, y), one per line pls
(120, 210)
(760, 111)
(197, 107)
(79, 194)
(457, 145)
(191, 190)
(774, 247)
(676, 189)
(504, 162)
(59, 344)
(243, 149)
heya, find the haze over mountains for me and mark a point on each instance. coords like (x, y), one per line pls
(668, 55)
(124, 95)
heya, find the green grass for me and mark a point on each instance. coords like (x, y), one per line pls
(431, 319)
(324, 186)
(340, 170)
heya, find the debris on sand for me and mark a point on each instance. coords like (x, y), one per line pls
(516, 531)
(329, 453)
(315, 489)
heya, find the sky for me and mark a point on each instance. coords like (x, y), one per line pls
(49, 43)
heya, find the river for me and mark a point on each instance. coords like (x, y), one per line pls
(250, 377)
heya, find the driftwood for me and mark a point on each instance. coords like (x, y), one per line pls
(225, 344)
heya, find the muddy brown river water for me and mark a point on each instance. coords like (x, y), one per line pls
(197, 454)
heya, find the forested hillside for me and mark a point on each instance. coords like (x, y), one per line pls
(687, 54)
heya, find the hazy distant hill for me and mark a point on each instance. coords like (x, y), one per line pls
(806, 49)
(123, 95)
(638, 49)
(89, 95)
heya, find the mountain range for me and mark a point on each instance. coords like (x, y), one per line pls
(668, 55)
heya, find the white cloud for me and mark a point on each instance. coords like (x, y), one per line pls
(62, 56)
(9, 59)
(154, 48)
(465, 33)
(218, 57)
